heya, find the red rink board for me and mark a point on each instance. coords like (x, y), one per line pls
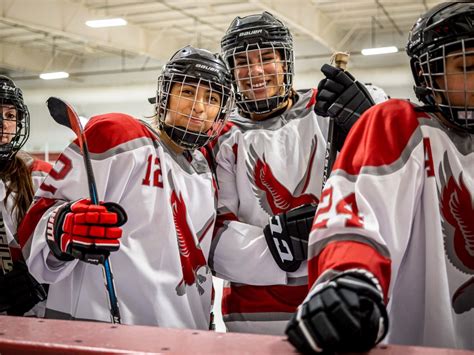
(46, 336)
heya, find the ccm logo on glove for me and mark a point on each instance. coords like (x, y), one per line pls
(287, 236)
(81, 230)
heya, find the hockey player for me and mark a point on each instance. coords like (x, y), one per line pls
(165, 187)
(395, 218)
(270, 161)
(20, 176)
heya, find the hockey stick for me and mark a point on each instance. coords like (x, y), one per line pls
(339, 59)
(65, 115)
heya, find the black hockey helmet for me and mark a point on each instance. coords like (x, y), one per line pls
(12, 139)
(254, 32)
(445, 30)
(196, 67)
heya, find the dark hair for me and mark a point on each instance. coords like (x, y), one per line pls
(16, 174)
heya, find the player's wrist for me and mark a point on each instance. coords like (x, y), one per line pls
(54, 232)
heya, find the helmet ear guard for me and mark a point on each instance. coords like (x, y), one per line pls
(421, 86)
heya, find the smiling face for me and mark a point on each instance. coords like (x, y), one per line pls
(259, 73)
(8, 123)
(192, 107)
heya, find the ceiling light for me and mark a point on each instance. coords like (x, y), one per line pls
(110, 22)
(379, 50)
(54, 75)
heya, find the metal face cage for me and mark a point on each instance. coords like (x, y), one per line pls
(15, 120)
(447, 71)
(192, 110)
(262, 76)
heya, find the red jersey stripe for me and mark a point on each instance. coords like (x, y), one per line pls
(262, 299)
(312, 100)
(40, 165)
(221, 219)
(344, 255)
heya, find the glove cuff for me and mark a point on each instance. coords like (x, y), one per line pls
(374, 291)
(364, 275)
(54, 231)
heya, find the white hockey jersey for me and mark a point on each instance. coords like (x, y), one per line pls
(264, 168)
(400, 203)
(39, 169)
(160, 271)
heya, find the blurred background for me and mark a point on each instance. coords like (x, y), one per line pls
(114, 69)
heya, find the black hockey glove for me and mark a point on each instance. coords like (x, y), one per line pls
(342, 97)
(345, 314)
(85, 231)
(287, 236)
(19, 291)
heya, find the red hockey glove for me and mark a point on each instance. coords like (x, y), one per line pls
(80, 230)
(344, 314)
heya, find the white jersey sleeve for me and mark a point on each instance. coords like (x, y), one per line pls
(395, 204)
(248, 239)
(68, 182)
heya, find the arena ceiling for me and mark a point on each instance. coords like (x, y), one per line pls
(50, 35)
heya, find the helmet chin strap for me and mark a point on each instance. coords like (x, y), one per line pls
(279, 110)
(261, 107)
(265, 106)
(186, 139)
(6, 151)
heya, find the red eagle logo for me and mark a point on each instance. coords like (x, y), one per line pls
(458, 229)
(190, 252)
(273, 196)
